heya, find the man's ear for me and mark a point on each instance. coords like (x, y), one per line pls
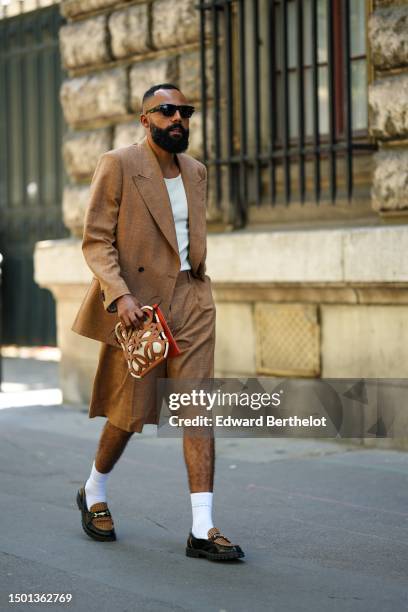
(144, 120)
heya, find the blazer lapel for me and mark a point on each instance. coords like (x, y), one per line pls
(153, 190)
(150, 183)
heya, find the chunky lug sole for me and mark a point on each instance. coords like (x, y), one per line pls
(221, 556)
(110, 537)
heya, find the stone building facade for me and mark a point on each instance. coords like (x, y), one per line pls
(310, 300)
(112, 52)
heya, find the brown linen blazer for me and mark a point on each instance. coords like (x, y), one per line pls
(130, 241)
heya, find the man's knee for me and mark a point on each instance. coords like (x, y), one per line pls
(120, 433)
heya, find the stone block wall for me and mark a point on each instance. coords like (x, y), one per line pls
(113, 51)
(388, 103)
(330, 303)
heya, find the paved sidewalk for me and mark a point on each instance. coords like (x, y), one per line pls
(324, 525)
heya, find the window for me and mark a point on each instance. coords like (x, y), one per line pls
(290, 90)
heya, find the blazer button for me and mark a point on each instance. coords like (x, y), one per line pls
(141, 269)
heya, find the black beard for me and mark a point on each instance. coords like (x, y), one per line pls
(172, 144)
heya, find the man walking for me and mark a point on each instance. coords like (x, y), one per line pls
(145, 242)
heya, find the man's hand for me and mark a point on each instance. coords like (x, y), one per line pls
(129, 311)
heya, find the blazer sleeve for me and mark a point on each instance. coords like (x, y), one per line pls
(99, 237)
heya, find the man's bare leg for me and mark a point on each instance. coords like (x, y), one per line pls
(111, 445)
(97, 520)
(205, 540)
(199, 456)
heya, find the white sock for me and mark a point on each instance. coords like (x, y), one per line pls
(95, 487)
(201, 504)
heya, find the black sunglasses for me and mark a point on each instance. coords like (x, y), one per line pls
(168, 110)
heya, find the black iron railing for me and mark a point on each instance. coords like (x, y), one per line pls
(282, 116)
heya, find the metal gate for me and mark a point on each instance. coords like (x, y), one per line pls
(31, 169)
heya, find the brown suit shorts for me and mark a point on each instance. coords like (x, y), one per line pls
(130, 403)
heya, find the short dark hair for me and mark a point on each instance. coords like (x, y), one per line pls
(152, 90)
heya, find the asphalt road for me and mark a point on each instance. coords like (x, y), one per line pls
(324, 525)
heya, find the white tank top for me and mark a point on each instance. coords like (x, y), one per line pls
(178, 200)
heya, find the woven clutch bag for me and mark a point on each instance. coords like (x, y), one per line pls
(148, 346)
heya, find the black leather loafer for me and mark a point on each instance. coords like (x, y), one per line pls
(96, 522)
(216, 548)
